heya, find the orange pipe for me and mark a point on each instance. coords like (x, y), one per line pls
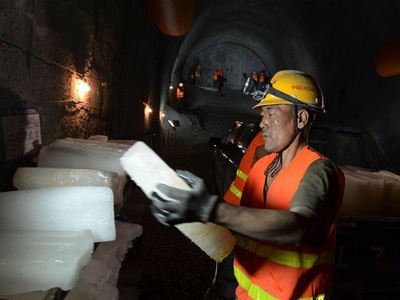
(173, 17)
(388, 60)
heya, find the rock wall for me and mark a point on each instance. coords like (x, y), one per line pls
(45, 47)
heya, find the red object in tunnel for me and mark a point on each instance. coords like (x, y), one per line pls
(388, 60)
(173, 17)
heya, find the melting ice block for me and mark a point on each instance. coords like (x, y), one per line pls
(368, 193)
(147, 169)
(83, 154)
(60, 209)
(34, 260)
(33, 178)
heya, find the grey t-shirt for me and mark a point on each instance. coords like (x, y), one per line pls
(319, 191)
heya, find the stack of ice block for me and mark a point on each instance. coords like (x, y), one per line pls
(32, 178)
(85, 154)
(60, 209)
(72, 193)
(31, 260)
(367, 193)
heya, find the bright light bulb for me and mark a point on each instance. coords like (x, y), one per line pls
(82, 88)
(148, 110)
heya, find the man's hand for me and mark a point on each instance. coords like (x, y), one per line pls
(181, 206)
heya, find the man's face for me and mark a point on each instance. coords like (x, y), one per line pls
(278, 127)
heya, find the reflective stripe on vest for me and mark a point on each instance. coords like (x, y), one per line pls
(235, 191)
(256, 292)
(241, 174)
(284, 257)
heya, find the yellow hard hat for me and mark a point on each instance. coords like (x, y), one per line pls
(295, 88)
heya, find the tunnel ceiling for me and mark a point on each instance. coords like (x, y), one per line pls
(335, 41)
(274, 37)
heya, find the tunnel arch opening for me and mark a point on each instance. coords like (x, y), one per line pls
(237, 60)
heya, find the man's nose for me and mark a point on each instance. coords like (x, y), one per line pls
(263, 123)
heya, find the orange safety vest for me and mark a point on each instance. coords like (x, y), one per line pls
(215, 75)
(234, 193)
(179, 93)
(269, 271)
(261, 78)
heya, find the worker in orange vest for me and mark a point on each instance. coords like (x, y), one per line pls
(215, 77)
(180, 91)
(254, 76)
(285, 225)
(261, 77)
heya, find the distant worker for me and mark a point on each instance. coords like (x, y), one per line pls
(220, 80)
(197, 74)
(261, 77)
(285, 225)
(215, 78)
(254, 76)
(180, 91)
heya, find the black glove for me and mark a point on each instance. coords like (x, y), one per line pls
(182, 206)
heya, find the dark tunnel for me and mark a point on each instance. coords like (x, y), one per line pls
(89, 79)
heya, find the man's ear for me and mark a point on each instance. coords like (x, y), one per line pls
(303, 118)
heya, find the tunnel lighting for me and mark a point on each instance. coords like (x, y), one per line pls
(82, 88)
(174, 123)
(162, 114)
(171, 87)
(171, 123)
(147, 109)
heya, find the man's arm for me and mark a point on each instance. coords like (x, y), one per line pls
(287, 227)
(310, 214)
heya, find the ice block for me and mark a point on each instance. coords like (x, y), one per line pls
(147, 169)
(60, 209)
(32, 178)
(369, 193)
(34, 260)
(83, 154)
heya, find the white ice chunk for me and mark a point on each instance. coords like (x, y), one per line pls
(368, 193)
(83, 154)
(60, 209)
(109, 145)
(34, 260)
(32, 178)
(147, 169)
